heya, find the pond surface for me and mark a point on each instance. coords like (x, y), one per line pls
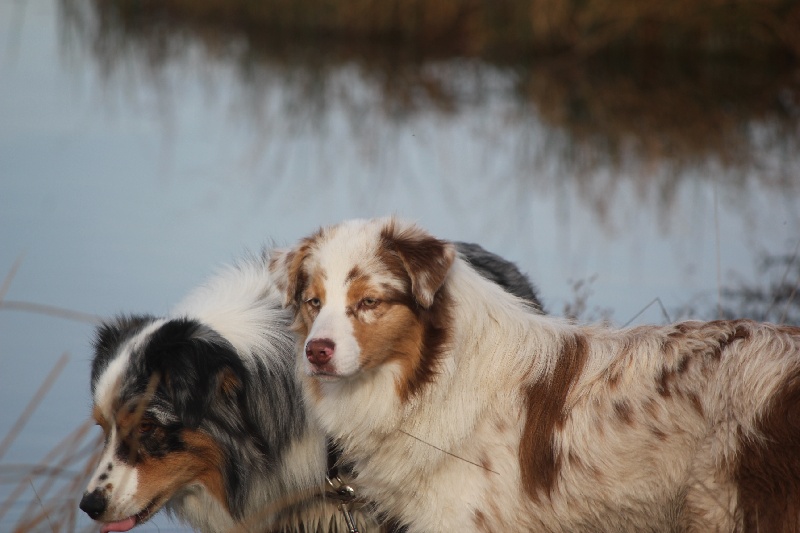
(132, 165)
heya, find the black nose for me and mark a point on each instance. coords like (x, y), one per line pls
(93, 503)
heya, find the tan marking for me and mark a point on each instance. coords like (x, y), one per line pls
(294, 263)
(201, 462)
(98, 417)
(229, 383)
(307, 313)
(354, 273)
(545, 400)
(396, 335)
(399, 330)
(358, 289)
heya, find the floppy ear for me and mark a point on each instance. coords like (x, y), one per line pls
(287, 268)
(426, 259)
(279, 264)
(196, 366)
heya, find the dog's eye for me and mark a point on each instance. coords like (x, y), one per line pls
(314, 302)
(146, 427)
(368, 303)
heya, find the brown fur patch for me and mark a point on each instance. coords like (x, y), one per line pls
(201, 462)
(696, 344)
(354, 273)
(545, 399)
(296, 277)
(315, 287)
(651, 408)
(98, 417)
(414, 335)
(694, 399)
(624, 412)
(481, 522)
(229, 383)
(360, 287)
(768, 472)
(426, 259)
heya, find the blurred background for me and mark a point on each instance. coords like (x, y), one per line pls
(640, 162)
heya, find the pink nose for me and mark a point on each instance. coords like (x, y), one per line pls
(320, 351)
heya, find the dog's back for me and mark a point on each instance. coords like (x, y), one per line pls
(462, 410)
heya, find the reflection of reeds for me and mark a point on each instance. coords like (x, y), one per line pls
(581, 27)
(645, 115)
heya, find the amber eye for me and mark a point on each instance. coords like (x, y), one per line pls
(368, 303)
(146, 427)
(314, 302)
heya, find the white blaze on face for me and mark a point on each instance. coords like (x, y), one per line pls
(332, 323)
(117, 481)
(331, 270)
(114, 478)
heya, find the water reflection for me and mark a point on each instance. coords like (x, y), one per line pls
(652, 117)
(620, 137)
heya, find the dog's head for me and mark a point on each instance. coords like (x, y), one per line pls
(367, 294)
(162, 389)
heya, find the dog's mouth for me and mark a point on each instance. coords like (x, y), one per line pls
(323, 371)
(132, 521)
(325, 376)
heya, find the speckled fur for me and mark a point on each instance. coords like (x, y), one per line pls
(523, 422)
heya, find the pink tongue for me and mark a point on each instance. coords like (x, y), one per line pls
(122, 525)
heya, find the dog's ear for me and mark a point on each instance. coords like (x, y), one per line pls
(108, 338)
(279, 261)
(196, 366)
(286, 267)
(426, 259)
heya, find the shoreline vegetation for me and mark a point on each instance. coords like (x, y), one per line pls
(500, 28)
